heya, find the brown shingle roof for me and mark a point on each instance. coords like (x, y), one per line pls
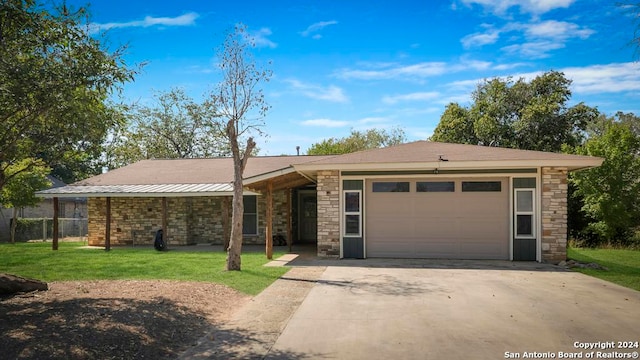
(428, 151)
(220, 170)
(192, 171)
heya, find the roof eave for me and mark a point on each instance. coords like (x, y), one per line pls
(570, 164)
(267, 176)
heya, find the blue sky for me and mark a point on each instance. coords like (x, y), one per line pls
(342, 65)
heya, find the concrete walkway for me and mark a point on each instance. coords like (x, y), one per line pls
(256, 327)
(424, 309)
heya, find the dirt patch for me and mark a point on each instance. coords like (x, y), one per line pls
(113, 319)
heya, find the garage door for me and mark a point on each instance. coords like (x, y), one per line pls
(443, 218)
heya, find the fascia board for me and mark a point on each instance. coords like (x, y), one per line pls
(572, 164)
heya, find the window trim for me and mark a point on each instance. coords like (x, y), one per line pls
(435, 181)
(373, 183)
(244, 213)
(532, 213)
(347, 213)
(463, 182)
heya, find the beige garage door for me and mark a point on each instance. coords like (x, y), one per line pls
(443, 218)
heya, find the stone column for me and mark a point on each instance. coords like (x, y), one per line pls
(328, 190)
(554, 214)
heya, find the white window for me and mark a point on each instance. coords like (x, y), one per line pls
(353, 213)
(524, 221)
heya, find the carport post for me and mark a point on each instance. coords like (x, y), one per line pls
(54, 242)
(289, 227)
(269, 226)
(107, 228)
(165, 234)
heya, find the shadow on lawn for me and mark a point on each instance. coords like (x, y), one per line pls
(104, 328)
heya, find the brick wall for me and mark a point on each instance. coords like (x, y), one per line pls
(328, 213)
(189, 220)
(554, 214)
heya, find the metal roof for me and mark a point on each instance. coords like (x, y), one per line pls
(159, 190)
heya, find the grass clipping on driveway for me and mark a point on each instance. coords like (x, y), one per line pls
(623, 265)
(74, 262)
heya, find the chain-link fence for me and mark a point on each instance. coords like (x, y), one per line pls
(42, 229)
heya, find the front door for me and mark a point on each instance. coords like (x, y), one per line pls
(308, 217)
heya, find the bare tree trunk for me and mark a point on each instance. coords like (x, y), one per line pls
(14, 225)
(235, 242)
(239, 163)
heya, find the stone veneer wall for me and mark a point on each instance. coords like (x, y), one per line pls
(328, 189)
(554, 214)
(190, 220)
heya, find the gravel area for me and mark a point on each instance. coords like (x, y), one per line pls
(113, 319)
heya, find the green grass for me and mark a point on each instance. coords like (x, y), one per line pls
(72, 262)
(623, 265)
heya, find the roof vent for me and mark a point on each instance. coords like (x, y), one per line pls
(441, 158)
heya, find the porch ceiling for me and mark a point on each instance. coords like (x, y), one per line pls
(286, 181)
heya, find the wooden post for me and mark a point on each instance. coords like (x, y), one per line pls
(289, 220)
(226, 224)
(107, 230)
(165, 233)
(269, 225)
(54, 243)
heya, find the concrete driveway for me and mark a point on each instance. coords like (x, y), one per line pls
(395, 309)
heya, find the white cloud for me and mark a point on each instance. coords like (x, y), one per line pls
(533, 50)
(420, 70)
(373, 120)
(556, 30)
(313, 29)
(330, 93)
(535, 7)
(417, 96)
(182, 20)
(480, 39)
(260, 39)
(325, 123)
(610, 78)
(541, 37)
(411, 72)
(593, 79)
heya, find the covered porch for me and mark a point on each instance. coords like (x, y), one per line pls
(280, 210)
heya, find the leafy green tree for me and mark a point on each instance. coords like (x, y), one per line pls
(174, 127)
(357, 141)
(518, 114)
(55, 79)
(456, 126)
(609, 193)
(241, 107)
(20, 190)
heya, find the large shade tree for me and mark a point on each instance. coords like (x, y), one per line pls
(358, 140)
(173, 127)
(607, 197)
(532, 115)
(55, 81)
(241, 107)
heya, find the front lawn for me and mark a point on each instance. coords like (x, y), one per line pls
(73, 262)
(623, 265)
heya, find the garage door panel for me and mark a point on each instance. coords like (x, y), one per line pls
(485, 227)
(470, 225)
(437, 228)
(386, 227)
